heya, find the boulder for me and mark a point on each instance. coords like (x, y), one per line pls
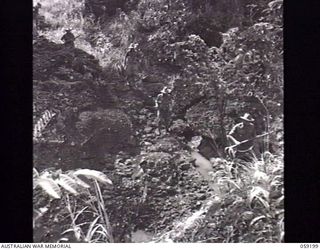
(105, 131)
(97, 137)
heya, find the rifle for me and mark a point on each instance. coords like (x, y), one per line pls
(227, 149)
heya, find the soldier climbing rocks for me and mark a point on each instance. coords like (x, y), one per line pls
(131, 63)
(68, 38)
(165, 109)
(242, 139)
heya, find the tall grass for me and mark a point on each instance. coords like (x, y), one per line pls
(247, 205)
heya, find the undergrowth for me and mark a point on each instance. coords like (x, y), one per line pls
(73, 202)
(248, 205)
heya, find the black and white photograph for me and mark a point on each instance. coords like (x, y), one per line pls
(158, 121)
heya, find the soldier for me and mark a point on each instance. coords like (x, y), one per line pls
(68, 38)
(131, 63)
(165, 109)
(242, 137)
(36, 9)
(131, 53)
(36, 14)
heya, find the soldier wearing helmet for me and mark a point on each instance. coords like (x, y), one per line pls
(241, 137)
(68, 38)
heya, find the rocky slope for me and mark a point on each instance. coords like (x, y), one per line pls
(136, 127)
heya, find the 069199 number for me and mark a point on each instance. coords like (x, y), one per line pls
(311, 246)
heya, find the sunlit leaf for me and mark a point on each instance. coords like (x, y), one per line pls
(67, 183)
(93, 174)
(79, 181)
(49, 186)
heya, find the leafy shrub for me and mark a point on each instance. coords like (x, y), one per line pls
(89, 209)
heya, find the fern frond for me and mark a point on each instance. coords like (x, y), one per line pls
(42, 123)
